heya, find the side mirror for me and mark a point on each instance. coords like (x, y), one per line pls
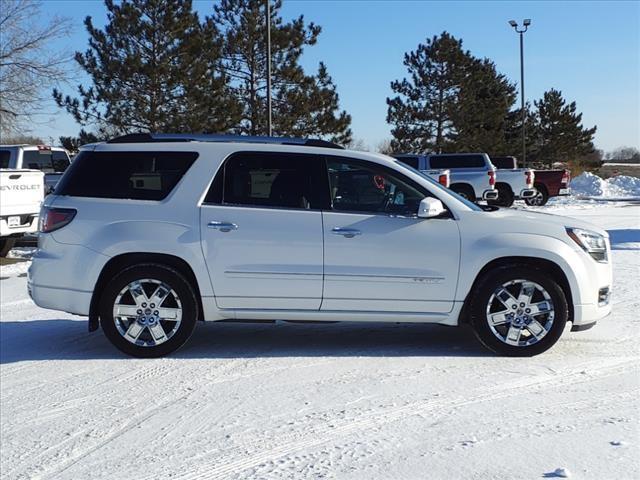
(430, 207)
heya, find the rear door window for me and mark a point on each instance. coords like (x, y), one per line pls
(456, 161)
(263, 179)
(126, 175)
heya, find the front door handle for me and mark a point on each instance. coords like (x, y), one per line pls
(223, 226)
(346, 232)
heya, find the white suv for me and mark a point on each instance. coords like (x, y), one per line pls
(146, 234)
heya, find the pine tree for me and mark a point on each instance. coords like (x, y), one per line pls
(480, 117)
(559, 133)
(513, 134)
(423, 111)
(73, 144)
(154, 67)
(303, 105)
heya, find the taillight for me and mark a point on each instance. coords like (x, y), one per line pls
(443, 179)
(492, 177)
(529, 174)
(55, 218)
(566, 177)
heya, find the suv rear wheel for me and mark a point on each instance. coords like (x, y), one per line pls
(148, 310)
(518, 311)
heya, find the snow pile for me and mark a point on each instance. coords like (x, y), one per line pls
(590, 185)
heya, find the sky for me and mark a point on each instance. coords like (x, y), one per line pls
(590, 50)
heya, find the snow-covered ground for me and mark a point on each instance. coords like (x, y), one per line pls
(324, 401)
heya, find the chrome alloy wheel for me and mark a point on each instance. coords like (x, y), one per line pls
(147, 312)
(520, 313)
(536, 200)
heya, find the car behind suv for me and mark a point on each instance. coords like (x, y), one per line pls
(147, 234)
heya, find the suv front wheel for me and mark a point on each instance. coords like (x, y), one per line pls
(518, 311)
(148, 310)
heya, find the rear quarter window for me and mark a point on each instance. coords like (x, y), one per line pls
(125, 175)
(457, 161)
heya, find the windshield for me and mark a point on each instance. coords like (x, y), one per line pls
(468, 203)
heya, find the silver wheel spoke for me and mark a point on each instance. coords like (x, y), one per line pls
(540, 307)
(159, 295)
(526, 293)
(536, 329)
(126, 311)
(499, 318)
(158, 334)
(513, 336)
(137, 292)
(171, 314)
(506, 298)
(134, 331)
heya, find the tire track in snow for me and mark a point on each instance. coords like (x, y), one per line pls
(223, 468)
(38, 459)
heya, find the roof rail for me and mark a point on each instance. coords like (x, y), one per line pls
(202, 137)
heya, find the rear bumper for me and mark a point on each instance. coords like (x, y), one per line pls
(564, 191)
(64, 299)
(30, 226)
(62, 276)
(528, 193)
(490, 194)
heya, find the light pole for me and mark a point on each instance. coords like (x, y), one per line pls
(269, 127)
(525, 23)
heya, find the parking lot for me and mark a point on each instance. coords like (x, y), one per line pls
(323, 401)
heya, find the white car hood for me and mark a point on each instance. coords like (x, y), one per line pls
(507, 220)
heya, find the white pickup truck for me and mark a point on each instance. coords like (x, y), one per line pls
(473, 176)
(443, 177)
(21, 195)
(52, 161)
(470, 175)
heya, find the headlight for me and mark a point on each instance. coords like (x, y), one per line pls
(591, 242)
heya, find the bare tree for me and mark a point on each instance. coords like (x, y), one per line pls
(28, 65)
(356, 144)
(385, 147)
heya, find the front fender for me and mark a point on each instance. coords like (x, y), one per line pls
(480, 252)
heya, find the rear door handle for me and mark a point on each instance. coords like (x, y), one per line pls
(346, 232)
(223, 226)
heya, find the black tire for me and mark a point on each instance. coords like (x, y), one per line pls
(505, 197)
(490, 283)
(465, 191)
(540, 199)
(162, 273)
(6, 244)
